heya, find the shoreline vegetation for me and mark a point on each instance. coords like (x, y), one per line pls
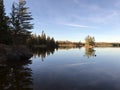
(97, 44)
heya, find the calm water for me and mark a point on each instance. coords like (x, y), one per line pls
(64, 69)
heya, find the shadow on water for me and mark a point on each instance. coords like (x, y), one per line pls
(16, 75)
(90, 52)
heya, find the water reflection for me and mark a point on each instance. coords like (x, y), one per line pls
(90, 52)
(42, 52)
(15, 75)
(67, 48)
(69, 70)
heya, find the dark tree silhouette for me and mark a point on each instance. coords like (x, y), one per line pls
(4, 28)
(20, 22)
(42, 41)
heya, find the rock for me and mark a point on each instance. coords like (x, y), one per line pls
(14, 53)
(2, 54)
(24, 53)
(2, 58)
(12, 56)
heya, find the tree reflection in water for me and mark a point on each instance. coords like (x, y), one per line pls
(90, 52)
(42, 52)
(15, 75)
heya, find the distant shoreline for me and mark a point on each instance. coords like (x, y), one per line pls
(78, 44)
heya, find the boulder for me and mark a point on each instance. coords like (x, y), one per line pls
(14, 53)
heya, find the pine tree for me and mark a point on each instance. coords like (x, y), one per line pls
(20, 21)
(25, 17)
(4, 28)
(2, 15)
(43, 38)
(89, 41)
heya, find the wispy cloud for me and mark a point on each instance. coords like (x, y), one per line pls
(77, 25)
(95, 12)
(106, 18)
(89, 6)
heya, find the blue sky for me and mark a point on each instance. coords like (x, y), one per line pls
(75, 19)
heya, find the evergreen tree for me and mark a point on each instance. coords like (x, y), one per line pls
(48, 39)
(25, 17)
(89, 41)
(43, 38)
(20, 22)
(2, 15)
(4, 28)
(38, 40)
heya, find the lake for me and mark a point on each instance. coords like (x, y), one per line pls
(64, 69)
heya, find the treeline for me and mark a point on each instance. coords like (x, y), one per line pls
(42, 41)
(69, 44)
(89, 42)
(106, 44)
(14, 29)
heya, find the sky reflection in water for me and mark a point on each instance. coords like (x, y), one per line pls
(77, 69)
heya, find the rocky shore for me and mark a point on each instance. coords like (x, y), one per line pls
(14, 53)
